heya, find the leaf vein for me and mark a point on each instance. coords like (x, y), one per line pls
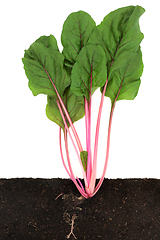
(86, 70)
(97, 82)
(73, 46)
(113, 33)
(127, 41)
(97, 73)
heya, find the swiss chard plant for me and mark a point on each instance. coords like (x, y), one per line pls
(107, 56)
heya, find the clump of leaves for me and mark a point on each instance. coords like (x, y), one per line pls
(107, 56)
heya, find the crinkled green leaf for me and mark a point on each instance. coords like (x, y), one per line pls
(53, 112)
(120, 36)
(118, 32)
(74, 106)
(43, 65)
(75, 34)
(48, 41)
(89, 71)
(124, 76)
(84, 158)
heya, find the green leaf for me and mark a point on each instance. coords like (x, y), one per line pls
(43, 65)
(75, 34)
(124, 76)
(118, 32)
(74, 106)
(84, 157)
(89, 71)
(48, 41)
(52, 111)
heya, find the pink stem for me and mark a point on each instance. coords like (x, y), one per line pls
(66, 126)
(60, 144)
(69, 163)
(67, 153)
(107, 152)
(108, 142)
(67, 115)
(80, 184)
(89, 160)
(89, 142)
(73, 128)
(86, 122)
(71, 124)
(88, 138)
(93, 177)
(81, 190)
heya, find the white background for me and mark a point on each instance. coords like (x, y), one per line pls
(29, 144)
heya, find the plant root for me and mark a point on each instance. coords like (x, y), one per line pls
(72, 227)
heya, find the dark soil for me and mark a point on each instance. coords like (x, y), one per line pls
(51, 209)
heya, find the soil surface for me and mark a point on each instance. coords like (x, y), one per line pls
(52, 209)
